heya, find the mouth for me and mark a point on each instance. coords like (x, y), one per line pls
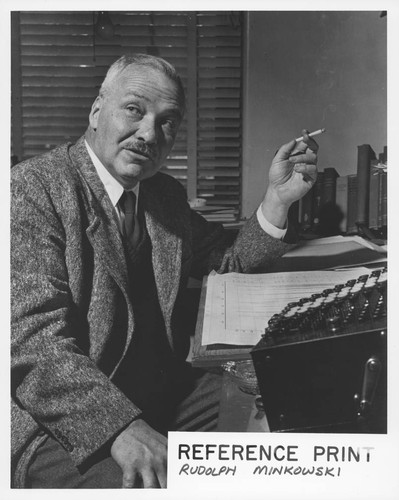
(138, 152)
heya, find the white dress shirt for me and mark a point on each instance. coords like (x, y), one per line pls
(115, 191)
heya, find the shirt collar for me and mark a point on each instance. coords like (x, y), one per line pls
(112, 186)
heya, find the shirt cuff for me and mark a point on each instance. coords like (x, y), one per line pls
(271, 230)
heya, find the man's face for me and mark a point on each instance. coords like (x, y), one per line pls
(135, 124)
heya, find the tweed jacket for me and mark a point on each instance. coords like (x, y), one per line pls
(72, 320)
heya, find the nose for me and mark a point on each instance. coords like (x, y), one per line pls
(147, 130)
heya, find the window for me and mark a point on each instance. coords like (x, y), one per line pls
(59, 63)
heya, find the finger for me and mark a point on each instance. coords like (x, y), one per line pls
(309, 141)
(309, 172)
(162, 474)
(285, 150)
(150, 479)
(308, 157)
(130, 478)
(305, 144)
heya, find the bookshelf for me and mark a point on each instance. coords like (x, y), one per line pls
(351, 204)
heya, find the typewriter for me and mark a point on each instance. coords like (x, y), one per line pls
(321, 364)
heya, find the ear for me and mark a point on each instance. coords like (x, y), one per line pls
(95, 111)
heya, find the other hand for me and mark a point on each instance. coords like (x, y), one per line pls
(141, 453)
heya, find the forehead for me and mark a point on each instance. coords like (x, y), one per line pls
(147, 83)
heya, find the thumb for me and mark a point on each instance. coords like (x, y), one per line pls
(128, 479)
(285, 151)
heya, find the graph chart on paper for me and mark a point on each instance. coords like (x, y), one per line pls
(238, 306)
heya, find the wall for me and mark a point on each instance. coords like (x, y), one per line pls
(312, 70)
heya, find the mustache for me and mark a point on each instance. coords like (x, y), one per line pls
(143, 148)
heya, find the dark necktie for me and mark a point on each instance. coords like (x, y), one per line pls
(127, 204)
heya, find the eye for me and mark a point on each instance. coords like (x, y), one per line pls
(171, 124)
(134, 110)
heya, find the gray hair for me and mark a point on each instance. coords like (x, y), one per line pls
(145, 60)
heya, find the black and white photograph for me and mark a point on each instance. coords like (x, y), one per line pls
(199, 216)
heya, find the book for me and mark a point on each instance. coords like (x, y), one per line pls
(306, 218)
(383, 157)
(378, 192)
(352, 204)
(341, 199)
(328, 217)
(329, 185)
(293, 213)
(384, 199)
(317, 196)
(375, 201)
(381, 168)
(365, 155)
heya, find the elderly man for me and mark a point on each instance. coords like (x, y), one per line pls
(102, 247)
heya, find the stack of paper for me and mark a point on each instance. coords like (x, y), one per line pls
(335, 251)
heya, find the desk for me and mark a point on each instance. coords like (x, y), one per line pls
(237, 412)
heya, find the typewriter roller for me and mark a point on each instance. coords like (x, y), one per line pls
(321, 364)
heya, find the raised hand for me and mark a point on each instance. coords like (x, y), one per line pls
(292, 174)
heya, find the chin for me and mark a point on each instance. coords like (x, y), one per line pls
(135, 173)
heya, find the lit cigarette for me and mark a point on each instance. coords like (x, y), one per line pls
(312, 134)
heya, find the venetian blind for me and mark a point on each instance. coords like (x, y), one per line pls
(219, 108)
(63, 62)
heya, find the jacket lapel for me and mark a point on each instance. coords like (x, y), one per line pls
(164, 231)
(103, 230)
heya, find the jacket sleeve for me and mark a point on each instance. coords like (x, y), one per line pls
(52, 378)
(251, 250)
